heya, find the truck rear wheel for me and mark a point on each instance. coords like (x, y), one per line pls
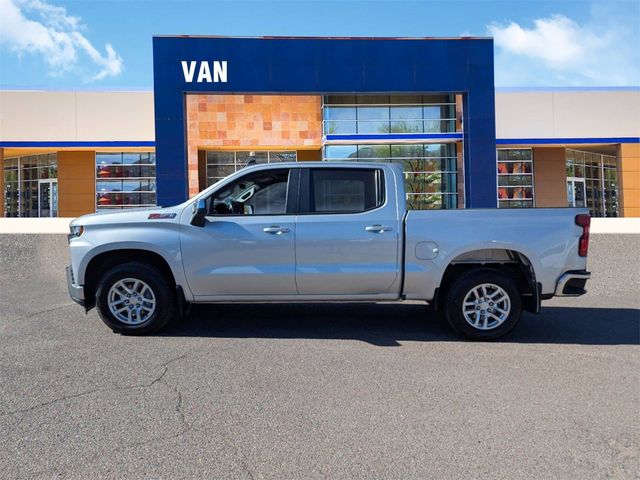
(135, 298)
(483, 304)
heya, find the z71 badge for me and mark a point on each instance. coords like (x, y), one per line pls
(160, 216)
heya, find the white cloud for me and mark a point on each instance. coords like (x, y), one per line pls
(37, 27)
(559, 51)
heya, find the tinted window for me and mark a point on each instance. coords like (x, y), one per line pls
(259, 193)
(343, 190)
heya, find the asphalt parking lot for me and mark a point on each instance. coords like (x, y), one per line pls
(317, 391)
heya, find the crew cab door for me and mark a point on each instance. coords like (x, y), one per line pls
(347, 233)
(246, 246)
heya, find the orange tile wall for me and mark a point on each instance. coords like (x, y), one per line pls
(629, 175)
(240, 122)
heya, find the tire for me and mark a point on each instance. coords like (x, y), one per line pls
(493, 319)
(148, 310)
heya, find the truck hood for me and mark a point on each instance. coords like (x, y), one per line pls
(132, 215)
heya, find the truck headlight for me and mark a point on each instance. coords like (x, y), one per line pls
(75, 231)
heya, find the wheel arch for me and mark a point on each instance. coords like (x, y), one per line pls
(105, 260)
(512, 262)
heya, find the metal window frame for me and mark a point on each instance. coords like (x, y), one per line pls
(19, 159)
(239, 165)
(129, 205)
(498, 175)
(602, 168)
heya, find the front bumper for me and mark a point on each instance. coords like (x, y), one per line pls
(76, 292)
(572, 283)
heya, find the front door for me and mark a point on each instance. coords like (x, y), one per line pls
(576, 192)
(347, 235)
(47, 198)
(246, 246)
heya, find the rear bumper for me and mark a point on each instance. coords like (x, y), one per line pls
(572, 283)
(76, 292)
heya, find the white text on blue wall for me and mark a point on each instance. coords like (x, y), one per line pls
(208, 72)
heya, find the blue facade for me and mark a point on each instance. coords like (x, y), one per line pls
(328, 66)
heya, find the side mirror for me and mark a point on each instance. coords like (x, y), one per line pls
(199, 213)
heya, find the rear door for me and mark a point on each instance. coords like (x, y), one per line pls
(347, 233)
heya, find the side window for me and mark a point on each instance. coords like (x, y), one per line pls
(258, 193)
(343, 190)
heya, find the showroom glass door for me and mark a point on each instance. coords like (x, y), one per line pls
(576, 188)
(48, 198)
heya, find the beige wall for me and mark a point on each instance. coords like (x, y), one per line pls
(568, 114)
(88, 116)
(76, 183)
(76, 116)
(550, 177)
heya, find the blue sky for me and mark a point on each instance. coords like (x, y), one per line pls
(106, 44)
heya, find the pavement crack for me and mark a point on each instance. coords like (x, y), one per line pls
(185, 426)
(158, 378)
(34, 314)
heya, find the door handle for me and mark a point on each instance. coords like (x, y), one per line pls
(275, 230)
(378, 228)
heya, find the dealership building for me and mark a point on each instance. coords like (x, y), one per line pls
(220, 103)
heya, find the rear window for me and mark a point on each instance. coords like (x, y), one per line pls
(342, 190)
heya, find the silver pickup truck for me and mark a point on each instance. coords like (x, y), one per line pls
(325, 232)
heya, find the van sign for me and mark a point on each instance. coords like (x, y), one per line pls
(208, 72)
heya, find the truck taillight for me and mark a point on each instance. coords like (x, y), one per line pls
(583, 221)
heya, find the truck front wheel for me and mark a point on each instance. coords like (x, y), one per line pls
(483, 304)
(135, 298)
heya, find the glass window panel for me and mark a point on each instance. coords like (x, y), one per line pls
(220, 157)
(341, 151)
(340, 128)
(282, 156)
(406, 126)
(112, 171)
(408, 151)
(340, 113)
(259, 193)
(130, 185)
(440, 150)
(340, 99)
(405, 99)
(220, 171)
(108, 158)
(374, 151)
(406, 113)
(432, 112)
(438, 99)
(121, 176)
(131, 171)
(103, 186)
(131, 158)
(373, 113)
(372, 99)
(10, 175)
(374, 127)
(570, 169)
(343, 190)
(148, 198)
(258, 156)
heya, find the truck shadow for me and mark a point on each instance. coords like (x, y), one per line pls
(390, 324)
